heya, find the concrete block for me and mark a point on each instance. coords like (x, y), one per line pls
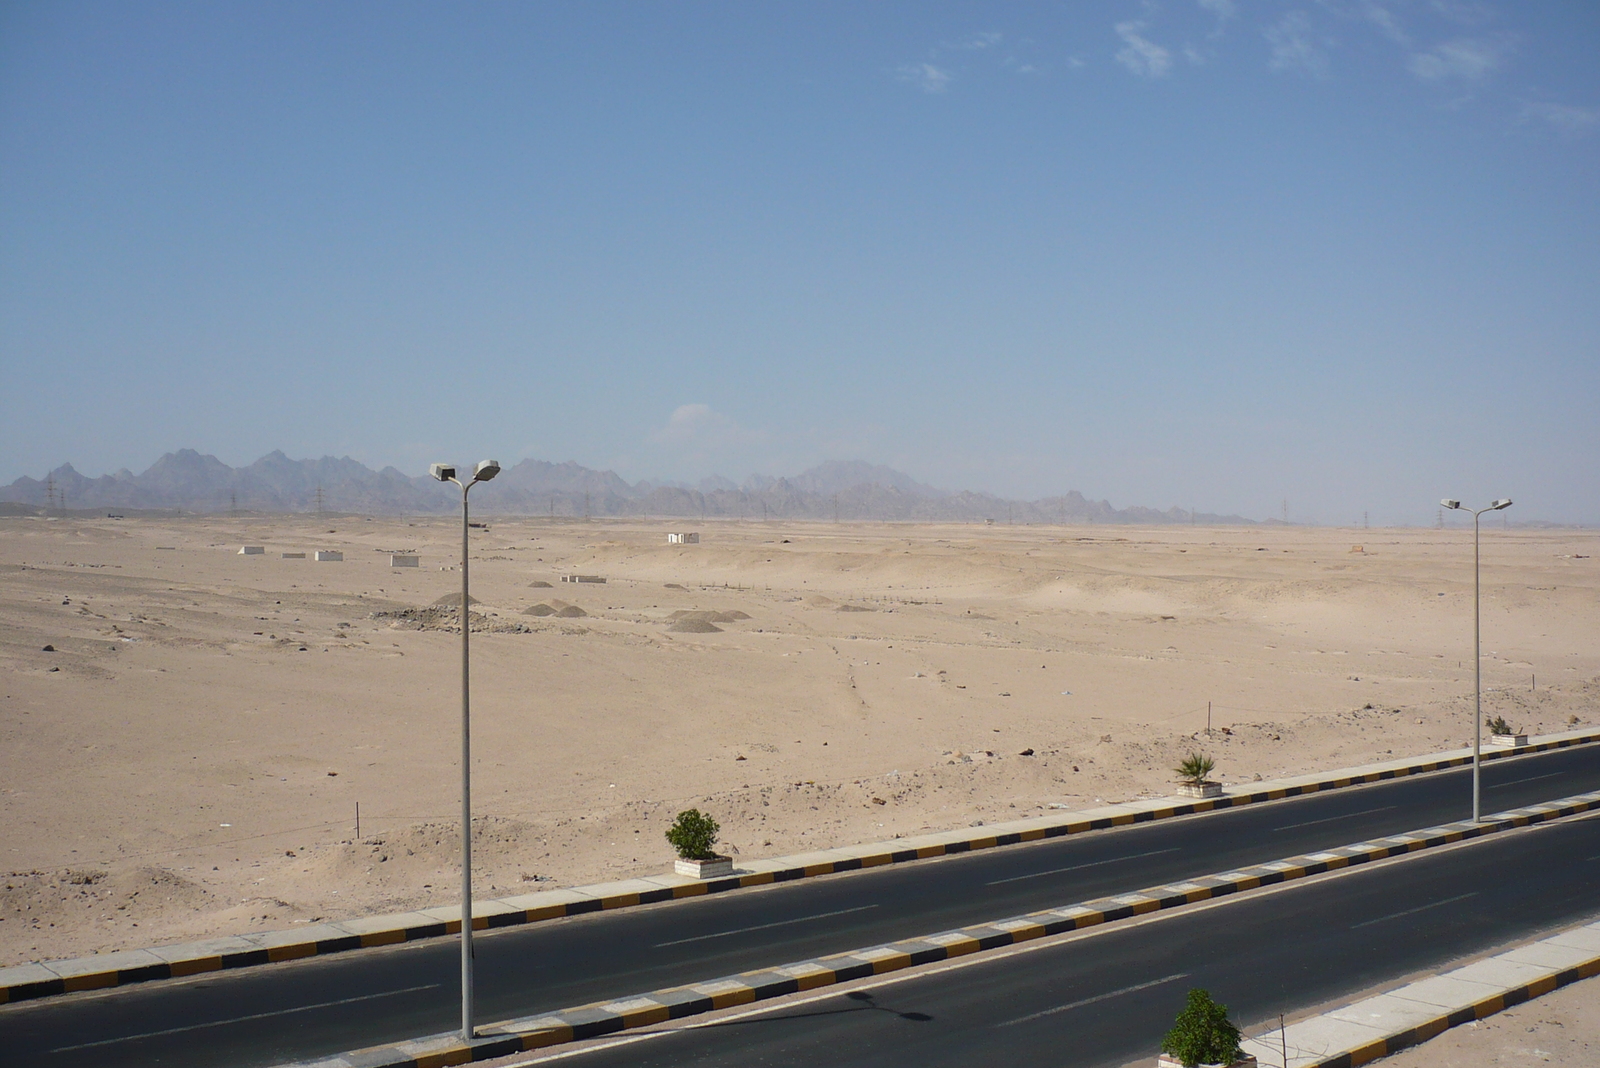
(24, 974)
(1446, 993)
(544, 899)
(1323, 1036)
(1500, 973)
(400, 560)
(1387, 1012)
(122, 960)
(394, 921)
(1586, 938)
(252, 550)
(329, 556)
(1550, 957)
(210, 947)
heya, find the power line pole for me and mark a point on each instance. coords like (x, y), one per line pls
(586, 504)
(1286, 509)
(319, 498)
(835, 507)
(1364, 524)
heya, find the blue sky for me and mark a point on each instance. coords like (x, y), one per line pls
(1213, 254)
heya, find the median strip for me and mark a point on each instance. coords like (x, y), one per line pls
(641, 1010)
(49, 978)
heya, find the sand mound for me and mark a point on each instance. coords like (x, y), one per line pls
(704, 616)
(540, 584)
(675, 586)
(854, 608)
(539, 610)
(453, 599)
(695, 626)
(572, 611)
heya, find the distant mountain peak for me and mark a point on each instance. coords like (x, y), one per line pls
(845, 489)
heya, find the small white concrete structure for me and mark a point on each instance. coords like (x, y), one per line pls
(293, 556)
(403, 560)
(683, 539)
(326, 555)
(582, 578)
(252, 550)
(716, 868)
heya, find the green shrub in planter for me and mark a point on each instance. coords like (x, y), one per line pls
(693, 834)
(1195, 768)
(1202, 1033)
(1498, 725)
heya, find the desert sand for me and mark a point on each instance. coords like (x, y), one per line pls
(188, 759)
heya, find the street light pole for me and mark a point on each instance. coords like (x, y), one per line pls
(483, 473)
(1477, 648)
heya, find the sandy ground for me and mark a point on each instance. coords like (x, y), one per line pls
(1561, 1029)
(189, 759)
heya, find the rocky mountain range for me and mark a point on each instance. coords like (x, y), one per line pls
(188, 481)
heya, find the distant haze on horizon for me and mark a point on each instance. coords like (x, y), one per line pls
(1210, 254)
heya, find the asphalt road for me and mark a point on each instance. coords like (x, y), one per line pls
(276, 1013)
(1107, 999)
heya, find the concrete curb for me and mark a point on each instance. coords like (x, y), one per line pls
(1378, 1026)
(29, 981)
(642, 1010)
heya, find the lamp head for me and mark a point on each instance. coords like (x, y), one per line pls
(442, 472)
(1503, 502)
(487, 469)
(1448, 503)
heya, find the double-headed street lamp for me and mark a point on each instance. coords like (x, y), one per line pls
(485, 470)
(1477, 646)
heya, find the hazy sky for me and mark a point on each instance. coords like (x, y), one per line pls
(1215, 253)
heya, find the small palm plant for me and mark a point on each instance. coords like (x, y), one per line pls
(1194, 769)
(1498, 725)
(1202, 1033)
(693, 834)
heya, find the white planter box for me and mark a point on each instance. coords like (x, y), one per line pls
(1512, 740)
(1246, 1061)
(1205, 789)
(715, 868)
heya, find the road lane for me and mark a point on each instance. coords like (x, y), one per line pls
(1103, 1000)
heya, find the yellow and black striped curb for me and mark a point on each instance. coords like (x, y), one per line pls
(641, 1010)
(1420, 1026)
(172, 962)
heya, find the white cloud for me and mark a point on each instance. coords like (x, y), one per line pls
(980, 41)
(1293, 48)
(1385, 20)
(926, 76)
(1465, 12)
(1141, 55)
(695, 424)
(1223, 10)
(1564, 117)
(1463, 58)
